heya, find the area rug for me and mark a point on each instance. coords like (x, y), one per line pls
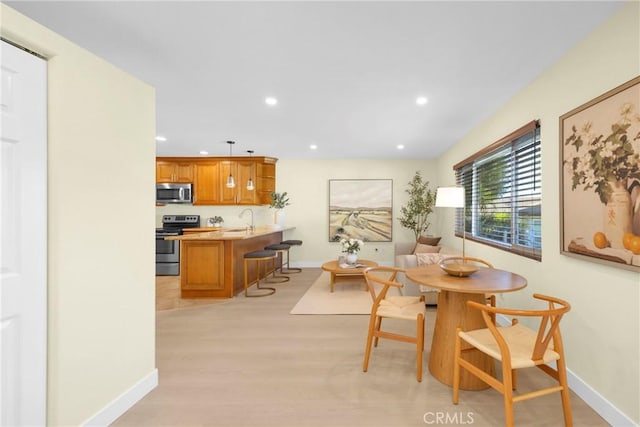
(346, 298)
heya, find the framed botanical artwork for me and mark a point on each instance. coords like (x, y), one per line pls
(600, 178)
(361, 209)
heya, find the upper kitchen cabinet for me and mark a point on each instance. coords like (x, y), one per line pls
(206, 186)
(174, 171)
(209, 176)
(266, 180)
(242, 171)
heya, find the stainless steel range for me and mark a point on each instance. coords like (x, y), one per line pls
(168, 251)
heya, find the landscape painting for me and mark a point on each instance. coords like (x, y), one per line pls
(361, 209)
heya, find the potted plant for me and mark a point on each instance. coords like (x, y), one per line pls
(351, 247)
(216, 221)
(415, 213)
(278, 202)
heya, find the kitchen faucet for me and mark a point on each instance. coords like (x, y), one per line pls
(250, 211)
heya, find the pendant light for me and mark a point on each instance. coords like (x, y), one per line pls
(250, 185)
(231, 183)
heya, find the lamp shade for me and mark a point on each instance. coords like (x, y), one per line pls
(450, 197)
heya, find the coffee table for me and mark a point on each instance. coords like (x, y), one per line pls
(339, 274)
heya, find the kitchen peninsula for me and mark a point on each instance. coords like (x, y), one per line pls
(212, 262)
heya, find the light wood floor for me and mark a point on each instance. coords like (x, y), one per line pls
(248, 362)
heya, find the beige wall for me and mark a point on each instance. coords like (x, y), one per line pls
(101, 126)
(307, 184)
(602, 331)
(101, 308)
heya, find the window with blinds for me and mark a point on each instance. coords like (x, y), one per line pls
(503, 198)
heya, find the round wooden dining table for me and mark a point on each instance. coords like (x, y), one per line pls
(453, 312)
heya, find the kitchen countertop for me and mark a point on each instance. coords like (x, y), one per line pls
(230, 233)
(205, 229)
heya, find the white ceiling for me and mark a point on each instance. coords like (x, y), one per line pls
(346, 74)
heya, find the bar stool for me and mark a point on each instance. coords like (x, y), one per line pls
(261, 258)
(291, 243)
(280, 249)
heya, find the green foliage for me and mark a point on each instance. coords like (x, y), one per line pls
(598, 160)
(491, 182)
(420, 205)
(279, 200)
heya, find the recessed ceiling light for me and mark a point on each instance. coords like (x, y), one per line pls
(400, 147)
(204, 152)
(313, 146)
(161, 138)
(270, 100)
(421, 100)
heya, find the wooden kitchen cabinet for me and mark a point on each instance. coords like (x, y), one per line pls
(266, 181)
(206, 186)
(212, 264)
(202, 270)
(241, 170)
(209, 178)
(174, 171)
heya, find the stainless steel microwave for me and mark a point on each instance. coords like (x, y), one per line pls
(174, 193)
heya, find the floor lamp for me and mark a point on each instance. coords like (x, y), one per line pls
(453, 197)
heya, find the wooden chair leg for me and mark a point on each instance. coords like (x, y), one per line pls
(491, 300)
(378, 325)
(420, 345)
(367, 351)
(564, 394)
(507, 391)
(456, 369)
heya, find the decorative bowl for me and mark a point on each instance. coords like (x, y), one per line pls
(458, 268)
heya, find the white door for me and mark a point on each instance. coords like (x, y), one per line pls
(23, 232)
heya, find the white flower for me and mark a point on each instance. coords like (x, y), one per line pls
(351, 245)
(595, 160)
(608, 150)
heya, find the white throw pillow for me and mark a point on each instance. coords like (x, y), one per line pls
(428, 258)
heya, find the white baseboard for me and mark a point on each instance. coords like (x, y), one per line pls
(124, 402)
(598, 403)
(595, 400)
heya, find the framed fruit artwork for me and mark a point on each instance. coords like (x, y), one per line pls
(600, 178)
